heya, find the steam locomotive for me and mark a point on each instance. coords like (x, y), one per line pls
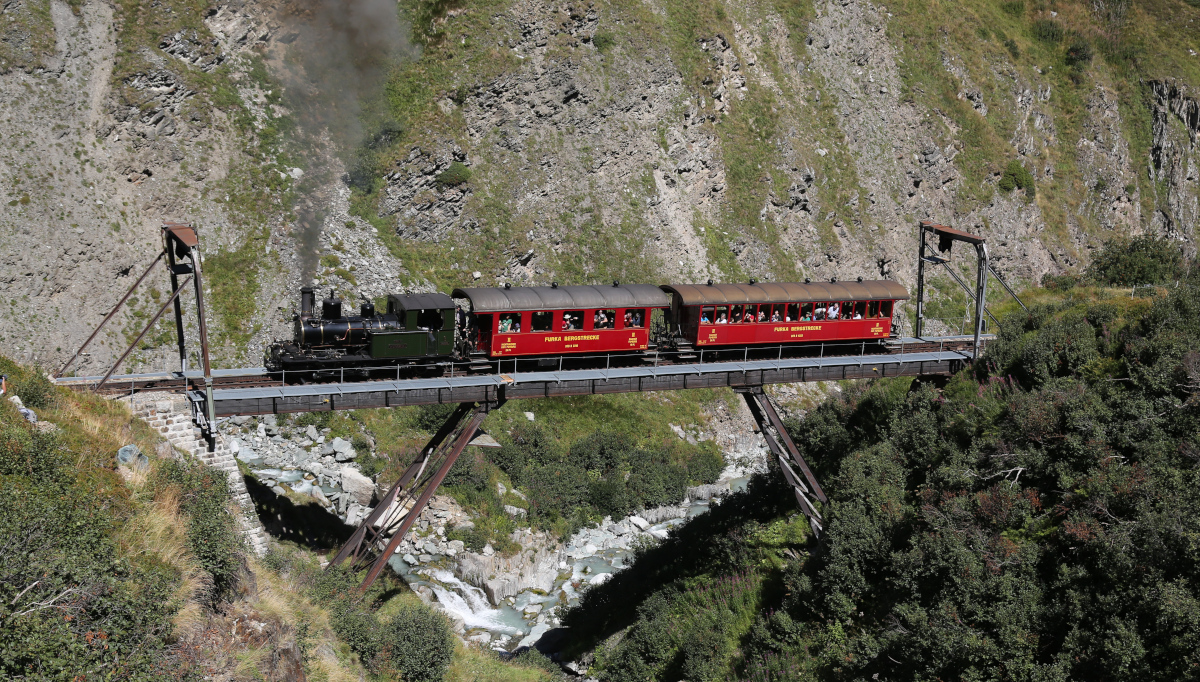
(426, 332)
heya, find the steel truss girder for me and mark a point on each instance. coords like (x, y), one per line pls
(394, 507)
(783, 448)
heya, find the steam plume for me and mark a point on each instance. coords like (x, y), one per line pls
(338, 56)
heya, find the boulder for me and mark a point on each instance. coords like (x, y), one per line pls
(514, 511)
(128, 454)
(642, 524)
(359, 487)
(534, 635)
(311, 432)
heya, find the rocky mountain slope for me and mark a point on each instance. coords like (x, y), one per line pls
(589, 141)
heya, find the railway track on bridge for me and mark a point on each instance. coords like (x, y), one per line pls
(258, 377)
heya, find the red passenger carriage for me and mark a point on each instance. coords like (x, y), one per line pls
(709, 315)
(554, 320)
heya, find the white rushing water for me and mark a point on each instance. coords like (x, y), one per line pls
(471, 604)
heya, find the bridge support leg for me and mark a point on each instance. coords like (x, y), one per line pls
(365, 539)
(783, 448)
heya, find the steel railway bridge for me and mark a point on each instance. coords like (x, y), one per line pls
(216, 394)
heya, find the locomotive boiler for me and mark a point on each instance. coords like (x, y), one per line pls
(415, 328)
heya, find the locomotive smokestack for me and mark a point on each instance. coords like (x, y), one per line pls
(308, 301)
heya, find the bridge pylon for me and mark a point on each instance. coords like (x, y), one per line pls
(783, 448)
(400, 507)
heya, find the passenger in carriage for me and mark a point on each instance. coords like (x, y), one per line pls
(704, 318)
(722, 319)
(749, 316)
(762, 314)
(628, 320)
(637, 319)
(775, 315)
(567, 322)
(834, 311)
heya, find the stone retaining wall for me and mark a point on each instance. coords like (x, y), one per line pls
(171, 416)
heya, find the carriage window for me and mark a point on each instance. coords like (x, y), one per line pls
(860, 309)
(793, 312)
(723, 314)
(707, 315)
(776, 313)
(635, 318)
(510, 323)
(751, 314)
(541, 322)
(737, 314)
(885, 309)
(819, 310)
(806, 312)
(873, 309)
(572, 320)
(847, 310)
(604, 319)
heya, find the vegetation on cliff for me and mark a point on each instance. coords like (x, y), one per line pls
(1034, 517)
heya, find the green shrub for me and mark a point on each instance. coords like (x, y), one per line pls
(1079, 52)
(456, 174)
(212, 535)
(431, 417)
(72, 604)
(1013, 8)
(417, 643)
(1059, 282)
(1011, 46)
(1047, 30)
(1016, 176)
(30, 384)
(473, 538)
(604, 40)
(1145, 259)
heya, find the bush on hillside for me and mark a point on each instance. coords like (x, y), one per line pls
(212, 536)
(1145, 259)
(1079, 53)
(1026, 519)
(72, 603)
(456, 174)
(417, 644)
(31, 384)
(1047, 30)
(1016, 176)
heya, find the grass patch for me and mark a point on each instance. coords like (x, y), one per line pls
(232, 279)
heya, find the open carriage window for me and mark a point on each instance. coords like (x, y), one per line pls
(885, 308)
(510, 323)
(860, 310)
(820, 310)
(572, 320)
(751, 314)
(793, 312)
(541, 321)
(723, 314)
(604, 319)
(776, 313)
(806, 312)
(873, 309)
(737, 314)
(707, 315)
(635, 318)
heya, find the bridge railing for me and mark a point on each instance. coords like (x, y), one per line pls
(831, 349)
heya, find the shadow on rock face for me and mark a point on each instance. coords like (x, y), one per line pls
(306, 524)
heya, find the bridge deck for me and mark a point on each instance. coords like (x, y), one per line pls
(372, 394)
